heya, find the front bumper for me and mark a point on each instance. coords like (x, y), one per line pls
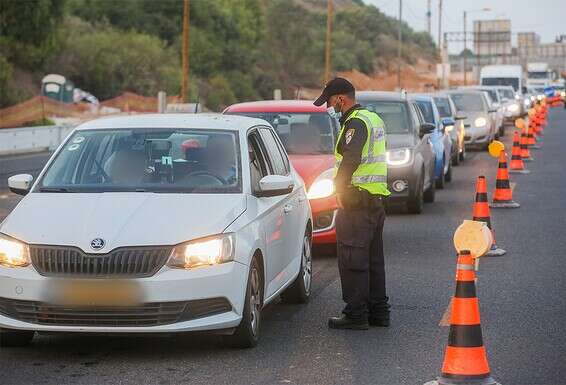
(226, 280)
(324, 220)
(477, 135)
(401, 173)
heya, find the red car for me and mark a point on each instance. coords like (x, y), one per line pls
(308, 134)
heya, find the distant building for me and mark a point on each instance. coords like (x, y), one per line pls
(528, 44)
(492, 37)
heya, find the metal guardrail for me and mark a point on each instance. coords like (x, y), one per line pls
(32, 139)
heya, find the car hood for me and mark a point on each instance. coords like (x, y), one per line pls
(120, 219)
(399, 141)
(310, 167)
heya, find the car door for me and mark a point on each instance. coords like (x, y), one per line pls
(424, 145)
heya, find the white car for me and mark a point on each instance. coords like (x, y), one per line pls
(156, 223)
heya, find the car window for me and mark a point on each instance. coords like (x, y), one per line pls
(278, 165)
(468, 102)
(301, 133)
(443, 106)
(415, 117)
(426, 110)
(394, 114)
(259, 165)
(148, 159)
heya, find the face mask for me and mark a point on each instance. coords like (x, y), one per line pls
(333, 114)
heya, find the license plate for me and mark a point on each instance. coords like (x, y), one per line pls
(96, 292)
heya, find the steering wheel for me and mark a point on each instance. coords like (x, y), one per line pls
(206, 173)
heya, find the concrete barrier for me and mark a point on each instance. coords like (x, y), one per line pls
(32, 139)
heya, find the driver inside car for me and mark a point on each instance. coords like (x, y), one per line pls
(219, 158)
(125, 166)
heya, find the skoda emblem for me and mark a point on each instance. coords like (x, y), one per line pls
(97, 243)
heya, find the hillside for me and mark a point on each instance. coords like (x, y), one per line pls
(239, 50)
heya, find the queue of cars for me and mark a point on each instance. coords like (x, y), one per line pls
(178, 223)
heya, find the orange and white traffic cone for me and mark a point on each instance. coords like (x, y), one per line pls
(525, 153)
(503, 195)
(517, 166)
(465, 357)
(482, 214)
(531, 139)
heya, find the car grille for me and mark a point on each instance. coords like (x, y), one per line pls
(147, 314)
(131, 262)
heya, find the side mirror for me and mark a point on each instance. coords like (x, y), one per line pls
(448, 122)
(273, 185)
(461, 117)
(426, 128)
(20, 184)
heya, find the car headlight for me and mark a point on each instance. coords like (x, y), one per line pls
(398, 157)
(533, 98)
(203, 252)
(13, 253)
(480, 122)
(513, 107)
(449, 128)
(323, 185)
(540, 97)
(563, 94)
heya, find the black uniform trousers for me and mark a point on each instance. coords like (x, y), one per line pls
(359, 233)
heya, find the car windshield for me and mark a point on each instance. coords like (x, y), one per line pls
(492, 94)
(443, 106)
(538, 75)
(146, 159)
(468, 102)
(514, 82)
(507, 94)
(301, 133)
(426, 109)
(394, 115)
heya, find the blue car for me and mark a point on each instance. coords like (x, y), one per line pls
(440, 139)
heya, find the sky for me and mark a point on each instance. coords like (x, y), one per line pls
(545, 17)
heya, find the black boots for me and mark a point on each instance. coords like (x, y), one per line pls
(344, 322)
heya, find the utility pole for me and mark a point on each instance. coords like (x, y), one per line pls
(465, 49)
(400, 38)
(327, 53)
(428, 18)
(185, 53)
(440, 52)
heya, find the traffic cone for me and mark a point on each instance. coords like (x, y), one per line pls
(517, 166)
(531, 140)
(525, 153)
(503, 195)
(465, 358)
(482, 214)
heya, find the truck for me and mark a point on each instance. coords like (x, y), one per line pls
(503, 75)
(538, 75)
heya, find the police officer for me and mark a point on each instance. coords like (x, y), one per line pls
(361, 187)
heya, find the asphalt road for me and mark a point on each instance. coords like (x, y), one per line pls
(522, 299)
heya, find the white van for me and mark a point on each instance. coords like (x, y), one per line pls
(503, 75)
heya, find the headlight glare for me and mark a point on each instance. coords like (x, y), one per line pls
(13, 253)
(480, 122)
(398, 157)
(513, 107)
(203, 252)
(449, 128)
(323, 185)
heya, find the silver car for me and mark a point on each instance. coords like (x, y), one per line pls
(479, 127)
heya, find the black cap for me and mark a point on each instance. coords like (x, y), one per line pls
(335, 86)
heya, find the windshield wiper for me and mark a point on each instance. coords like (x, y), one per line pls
(54, 189)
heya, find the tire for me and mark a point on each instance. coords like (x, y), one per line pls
(416, 203)
(300, 290)
(15, 338)
(440, 181)
(448, 176)
(246, 334)
(430, 193)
